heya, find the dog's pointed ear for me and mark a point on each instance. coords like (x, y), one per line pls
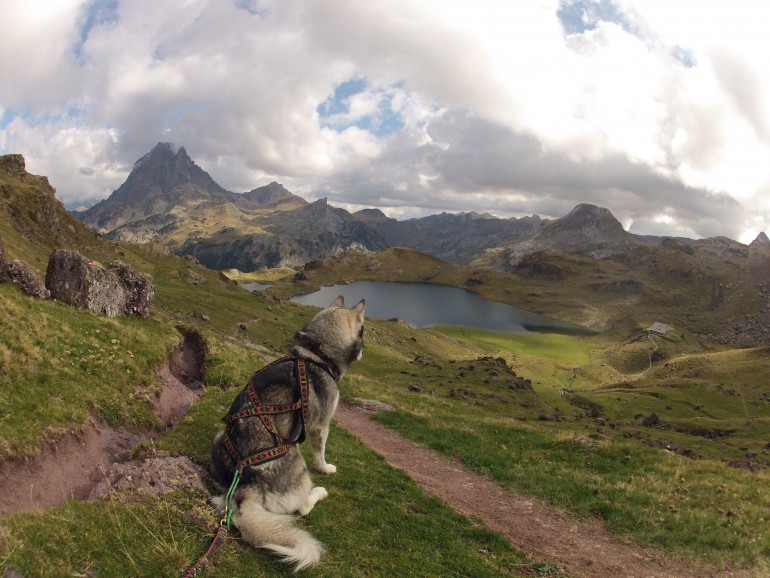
(359, 308)
(338, 302)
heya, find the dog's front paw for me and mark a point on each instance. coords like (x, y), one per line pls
(326, 468)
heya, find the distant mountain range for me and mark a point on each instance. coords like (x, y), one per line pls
(169, 200)
(582, 267)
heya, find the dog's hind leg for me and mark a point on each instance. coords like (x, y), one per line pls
(318, 437)
(314, 496)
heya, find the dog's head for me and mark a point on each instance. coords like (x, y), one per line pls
(335, 336)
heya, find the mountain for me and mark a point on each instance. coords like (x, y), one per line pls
(459, 237)
(165, 182)
(583, 267)
(586, 229)
(292, 238)
(168, 200)
(269, 195)
(159, 181)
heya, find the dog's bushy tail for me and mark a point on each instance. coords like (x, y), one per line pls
(277, 532)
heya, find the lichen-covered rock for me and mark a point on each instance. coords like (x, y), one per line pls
(4, 273)
(115, 291)
(155, 476)
(139, 289)
(26, 280)
(73, 278)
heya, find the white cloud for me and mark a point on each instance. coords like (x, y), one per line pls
(488, 106)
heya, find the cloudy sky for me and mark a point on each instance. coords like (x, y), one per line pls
(656, 109)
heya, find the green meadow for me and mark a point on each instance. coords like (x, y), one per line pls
(554, 416)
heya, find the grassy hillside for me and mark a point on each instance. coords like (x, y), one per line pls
(62, 368)
(555, 416)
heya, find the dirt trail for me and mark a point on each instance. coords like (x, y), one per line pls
(581, 549)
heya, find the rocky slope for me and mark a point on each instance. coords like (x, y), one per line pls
(166, 190)
(583, 267)
(169, 200)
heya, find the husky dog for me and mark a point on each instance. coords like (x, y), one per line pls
(273, 489)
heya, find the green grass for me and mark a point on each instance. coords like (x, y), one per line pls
(375, 522)
(691, 507)
(60, 365)
(603, 464)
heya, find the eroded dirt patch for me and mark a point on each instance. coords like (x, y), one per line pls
(156, 476)
(71, 465)
(66, 468)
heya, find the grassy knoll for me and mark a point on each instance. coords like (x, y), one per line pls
(59, 366)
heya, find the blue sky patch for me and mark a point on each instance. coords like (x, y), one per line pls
(6, 117)
(96, 13)
(578, 16)
(335, 112)
(684, 56)
(250, 6)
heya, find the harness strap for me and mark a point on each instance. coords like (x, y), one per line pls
(264, 412)
(280, 449)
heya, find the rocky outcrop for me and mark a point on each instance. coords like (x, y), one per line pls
(20, 273)
(154, 476)
(761, 244)
(115, 291)
(26, 280)
(4, 273)
(139, 289)
(13, 165)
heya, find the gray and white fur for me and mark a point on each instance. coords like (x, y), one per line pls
(270, 493)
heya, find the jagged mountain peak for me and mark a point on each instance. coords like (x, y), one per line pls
(165, 168)
(160, 180)
(270, 194)
(163, 149)
(761, 241)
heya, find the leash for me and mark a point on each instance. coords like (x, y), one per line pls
(280, 449)
(221, 535)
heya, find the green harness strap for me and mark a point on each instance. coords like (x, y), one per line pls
(228, 519)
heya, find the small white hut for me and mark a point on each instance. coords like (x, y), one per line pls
(659, 328)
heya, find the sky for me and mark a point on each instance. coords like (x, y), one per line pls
(658, 110)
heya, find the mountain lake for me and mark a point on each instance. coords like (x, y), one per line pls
(427, 305)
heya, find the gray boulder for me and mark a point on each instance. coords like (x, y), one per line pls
(139, 289)
(4, 274)
(26, 280)
(115, 291)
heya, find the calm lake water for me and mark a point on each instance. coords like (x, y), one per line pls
(426, 305)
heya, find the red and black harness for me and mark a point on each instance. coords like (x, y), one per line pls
(281, 447)
(263, 412)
